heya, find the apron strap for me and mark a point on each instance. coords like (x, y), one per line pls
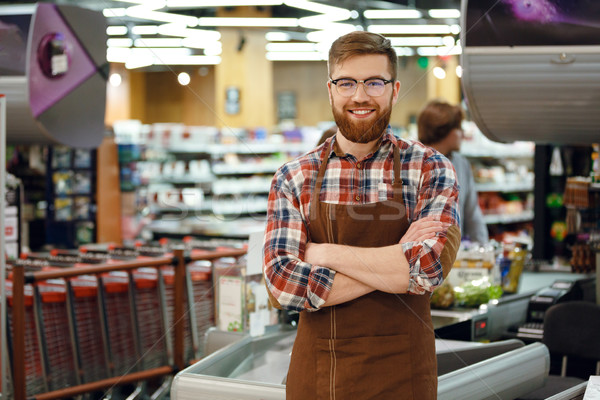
(321, 175)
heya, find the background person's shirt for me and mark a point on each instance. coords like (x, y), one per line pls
(429, 189)
(472, 225)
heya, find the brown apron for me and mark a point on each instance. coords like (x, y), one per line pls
(378, 346)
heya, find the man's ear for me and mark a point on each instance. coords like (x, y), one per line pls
(329, 92)
(397, 86)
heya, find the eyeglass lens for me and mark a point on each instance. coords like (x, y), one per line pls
(373, 87)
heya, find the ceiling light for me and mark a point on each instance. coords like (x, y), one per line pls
(113, 12)
(294, 56)
(448, 41)
(427, 51)
(330, 35)
(392, 14)
(444, 13)
(182, 31)
(143, 12)
(459, 71)
(314, 7)
(278, 36)
(272, 22)
(411, 29)
(213, 50)
(116, 30)
(199, 43)
(455, 29)
(404, 51)
(183, 78)
(115, 79)
(138, 62)
(291, 47)
(416, 41)
(120, 42)
(117, 54)
(439, 72)
(158, 42)
(160, 52)
(145, 30)
(149, 4)
(323, 21)
(190, 60)
(220, 3)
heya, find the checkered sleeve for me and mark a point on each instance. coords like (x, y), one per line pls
(438, 197)
(295, 284)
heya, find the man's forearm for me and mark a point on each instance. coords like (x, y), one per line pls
(381, 268)
(345, 289)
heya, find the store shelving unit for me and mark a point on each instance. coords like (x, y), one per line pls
(203, 185)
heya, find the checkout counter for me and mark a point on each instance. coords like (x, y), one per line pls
(244, 367)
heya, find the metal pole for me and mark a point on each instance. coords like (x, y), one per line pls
(4, 346)
(18, 323)
(178, 310)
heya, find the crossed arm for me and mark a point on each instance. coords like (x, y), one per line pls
(361, 270)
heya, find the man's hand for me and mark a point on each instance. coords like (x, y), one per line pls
(422, 229)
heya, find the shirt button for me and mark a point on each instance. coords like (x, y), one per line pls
(358, 165)
(357, 198)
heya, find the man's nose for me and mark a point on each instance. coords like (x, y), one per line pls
(361, 93)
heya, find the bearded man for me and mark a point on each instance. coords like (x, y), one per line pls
(360, 231)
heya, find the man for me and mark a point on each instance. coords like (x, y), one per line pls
(359, 232)
(439, 125)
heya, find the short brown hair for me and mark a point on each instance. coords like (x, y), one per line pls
(362, 43)
(437, 120)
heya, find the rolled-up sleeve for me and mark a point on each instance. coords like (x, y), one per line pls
(293, 283)
(437, 197)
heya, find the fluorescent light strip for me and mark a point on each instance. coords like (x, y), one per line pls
(201, 44)
(145, 30)
(295, 56)
(290, 47)
(144, 13)
(392, 14)
(223, 3)
(417, 41)
(190, 60)
(314, 7)
(182, 31)
(411, 29)
(444, 13)
(158, 42)
(323, 21)
(270, 22)
(113, 12)
(116, 30)
(439, 51)
(330, 35)
(278, 36)
(404, 51)
(120, 42)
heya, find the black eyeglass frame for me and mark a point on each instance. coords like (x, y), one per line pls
(356, 81)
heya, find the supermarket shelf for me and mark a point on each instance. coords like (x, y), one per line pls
(504, 188)
(497, 151)
(244, 148)
(525, 216)
(240, 169)
(595, 187)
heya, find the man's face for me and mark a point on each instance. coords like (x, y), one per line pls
(362, 118)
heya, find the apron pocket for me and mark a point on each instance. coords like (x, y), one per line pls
(373, 367)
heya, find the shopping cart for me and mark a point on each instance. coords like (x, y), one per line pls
(200, 289)
(58, 351)
(34, 374)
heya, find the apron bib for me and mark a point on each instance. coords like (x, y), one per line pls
(378, 346)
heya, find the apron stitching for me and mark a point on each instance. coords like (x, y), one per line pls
(334, 355)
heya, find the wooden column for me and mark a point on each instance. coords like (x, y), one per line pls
(244, 67)
(108, 216)
(448, 88)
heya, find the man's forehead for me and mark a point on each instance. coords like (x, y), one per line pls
(365, 63)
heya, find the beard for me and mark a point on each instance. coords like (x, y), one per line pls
(359, 131)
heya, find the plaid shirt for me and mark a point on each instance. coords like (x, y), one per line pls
(429, 189)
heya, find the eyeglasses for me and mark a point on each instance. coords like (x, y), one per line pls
(346, 87)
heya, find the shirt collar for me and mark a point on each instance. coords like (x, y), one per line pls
(387, 137)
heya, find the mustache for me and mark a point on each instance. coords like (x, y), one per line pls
(359, 105)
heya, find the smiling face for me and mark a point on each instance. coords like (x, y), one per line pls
(362, 118)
